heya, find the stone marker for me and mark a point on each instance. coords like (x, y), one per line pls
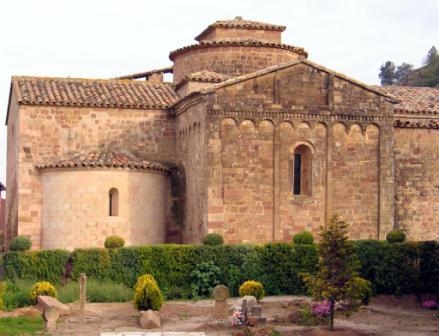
(149, 319)
(251, 301)
(82, 291)
(45, 302)
(220, 295)
(50, 316)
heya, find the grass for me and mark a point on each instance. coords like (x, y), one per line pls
(16, 293)
(22, 325)
(96, 292)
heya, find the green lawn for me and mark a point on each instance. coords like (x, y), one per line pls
(22, 325)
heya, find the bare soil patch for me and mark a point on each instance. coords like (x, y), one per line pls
(384, 316)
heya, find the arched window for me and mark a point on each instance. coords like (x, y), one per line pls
(113, 202)
(302, 170)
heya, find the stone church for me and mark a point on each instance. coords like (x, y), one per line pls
(251, 140)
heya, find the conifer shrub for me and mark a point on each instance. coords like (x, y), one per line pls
(20, 243)
(253, 288)
(42, 288)
(396, 236)
(114, 242)
(303, 238)
(213, 239)
(147, 294)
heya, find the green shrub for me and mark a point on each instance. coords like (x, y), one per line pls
(395, 236)
(253, 288)
(303, 238)
(213, 239)
(35, 265)
(147, 294)
(94, 262)
(114, 242)
(205, 277)
(391, 268)
(429, 268)
(42, 288)
(2, 290)
(20, 243)
(16, 294)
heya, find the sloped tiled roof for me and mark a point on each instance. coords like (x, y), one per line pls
(102, 159)
(414, 100)
(207, 76)
(93, 93)
(238, 42)
(239, 23)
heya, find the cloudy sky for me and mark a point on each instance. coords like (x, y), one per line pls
(107, 38)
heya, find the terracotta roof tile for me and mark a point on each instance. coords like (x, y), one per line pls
(239, 23)
(93, 92)
(207, 76)
(242, 42)
(102, 159)
(414, 100)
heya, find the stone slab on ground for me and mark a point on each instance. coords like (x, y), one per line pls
(165, 333)
(45, 302)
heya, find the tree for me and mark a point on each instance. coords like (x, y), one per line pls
(402, 72)
(337, 276)
(431, 56)
(387, 73)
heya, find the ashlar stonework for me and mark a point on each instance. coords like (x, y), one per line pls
(251, 140)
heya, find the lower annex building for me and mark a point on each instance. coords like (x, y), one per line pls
(251, 140)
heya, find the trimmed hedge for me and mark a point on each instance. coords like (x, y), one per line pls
(397, 268)
(46, 265)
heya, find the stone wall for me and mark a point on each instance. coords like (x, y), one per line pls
(230, 60)
(46, 133)
(220, 33)
(12, 166)
(301, 212)
(254, 128)
(355, 178)
(417, 182)
(76, 207)
(192, 168)
(247, 181)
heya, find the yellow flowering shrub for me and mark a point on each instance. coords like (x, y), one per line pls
(253, 288)
(42, 288)
(147, 294)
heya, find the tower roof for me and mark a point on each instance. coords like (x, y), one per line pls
(239, 23)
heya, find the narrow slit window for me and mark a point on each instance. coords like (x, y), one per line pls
(113, 202)
(297, 173)
(302, 171)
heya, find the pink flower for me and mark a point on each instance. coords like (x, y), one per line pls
(430, 304)
(322, 308)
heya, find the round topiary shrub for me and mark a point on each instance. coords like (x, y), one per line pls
(213, 239)
(42, 288)
(253, 288)
(114, 242)
(20, 243)
(303, 238)
(395, 236)
(147, 294)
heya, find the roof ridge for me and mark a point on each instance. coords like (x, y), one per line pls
(242, 42)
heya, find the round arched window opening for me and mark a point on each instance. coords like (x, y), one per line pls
(113, 202)
(302, 170)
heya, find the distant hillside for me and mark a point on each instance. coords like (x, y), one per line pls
(425, 76)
